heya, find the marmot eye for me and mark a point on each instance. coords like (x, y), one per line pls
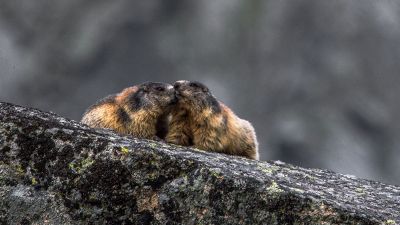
(160, 89)
(194, 85)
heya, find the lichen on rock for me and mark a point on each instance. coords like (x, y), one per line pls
(57, 171)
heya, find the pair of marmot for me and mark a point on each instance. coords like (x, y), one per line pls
(184, 114)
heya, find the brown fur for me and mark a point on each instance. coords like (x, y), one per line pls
(200, 120)
(140, 111)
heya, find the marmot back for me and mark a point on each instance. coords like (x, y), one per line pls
(140, 111)
(199, 119)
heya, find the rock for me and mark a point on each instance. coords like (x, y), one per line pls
(57, 171)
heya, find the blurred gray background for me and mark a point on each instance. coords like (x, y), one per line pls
(318, 79)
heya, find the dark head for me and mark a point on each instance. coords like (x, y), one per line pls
(153, 95)
(194, 95)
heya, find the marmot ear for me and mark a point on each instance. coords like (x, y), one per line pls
(137, 100)
(205, 89)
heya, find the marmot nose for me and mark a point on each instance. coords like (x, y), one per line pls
(179, 83)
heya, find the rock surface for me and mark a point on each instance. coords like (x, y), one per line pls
(57, 171)
(319, 80)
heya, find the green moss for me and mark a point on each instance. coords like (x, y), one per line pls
(79, 167)
(124, 150)
(86, 163)
(267, 169)
(34, 181)
(360, 191)
(19, 169)
(274, 189)
(153, 145)
(154, 162)
(92, 197)
(153, 176)
(391, 222)
(71, 166)
(216, 174)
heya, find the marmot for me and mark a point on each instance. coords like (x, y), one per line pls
(140, 111)
(200, 120)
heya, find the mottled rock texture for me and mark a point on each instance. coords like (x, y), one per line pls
(57, 171)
